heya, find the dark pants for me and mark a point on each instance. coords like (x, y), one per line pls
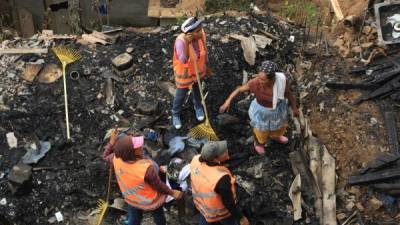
(180, 95)
(228, 221)
(135, 216)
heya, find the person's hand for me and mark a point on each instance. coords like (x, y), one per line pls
(295, 112)
(189, 37)
(224, 107)
(113, 137)
(244, 221)
(163, 169)
(177, 194)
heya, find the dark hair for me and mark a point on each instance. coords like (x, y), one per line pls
(123, 149)
(271, 76)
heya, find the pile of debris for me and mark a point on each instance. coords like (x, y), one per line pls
(127, 82)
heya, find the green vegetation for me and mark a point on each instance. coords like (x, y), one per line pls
(300, 11)
(213, 6)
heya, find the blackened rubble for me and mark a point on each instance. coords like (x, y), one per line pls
(71, 178)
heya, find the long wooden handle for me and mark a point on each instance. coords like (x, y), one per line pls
(193, 57)
(109, 184)
(66, 100)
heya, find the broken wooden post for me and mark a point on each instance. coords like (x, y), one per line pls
(328, 188)
(24, 51)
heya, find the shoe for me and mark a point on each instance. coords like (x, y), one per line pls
(199, 114)
(259, 149)
(281, 139)
(176, 122)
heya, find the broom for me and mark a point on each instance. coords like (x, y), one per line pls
(102, 205)
(66, 56)
(203, 130)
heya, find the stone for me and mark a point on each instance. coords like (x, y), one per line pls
(123, 61)
(49, 74)
(367, 45)
(129, 50)
(20, 179)
(147, 106)
(350, 206)
(11, 140)
(356, 49)
(30, 72)
(375, 203)
(367, 30)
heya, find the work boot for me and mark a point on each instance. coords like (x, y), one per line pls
(199, 114)
(281, 139)
(260, 149)
(176, 122)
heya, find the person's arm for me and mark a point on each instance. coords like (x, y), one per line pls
(181, 52)
(223, 188)
(151, 177)
(234, 94)
(108, 154)
(292, 99)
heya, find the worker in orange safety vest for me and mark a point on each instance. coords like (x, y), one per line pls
(192, 39)
(138, 178)
(213, 186)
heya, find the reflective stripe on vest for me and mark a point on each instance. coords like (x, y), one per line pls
(204, 179)
(184, 73)
(136, 192)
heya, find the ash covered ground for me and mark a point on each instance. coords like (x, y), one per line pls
(71, 178)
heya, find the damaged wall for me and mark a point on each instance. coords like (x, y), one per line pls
(126, 13)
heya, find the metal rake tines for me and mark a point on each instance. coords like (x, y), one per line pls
(66, 54)
(101, 210)
(203, 131)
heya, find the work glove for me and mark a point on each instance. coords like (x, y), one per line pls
(113, 137)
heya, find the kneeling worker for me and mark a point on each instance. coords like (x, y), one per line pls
(138, 179)
(213, 186)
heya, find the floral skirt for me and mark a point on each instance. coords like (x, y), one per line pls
(267, 119)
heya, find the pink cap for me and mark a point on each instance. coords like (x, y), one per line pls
(137, 142)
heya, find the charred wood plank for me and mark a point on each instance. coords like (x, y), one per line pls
(386, 186)
(374, 177)
(348, 86)
(390, 124)
(383, 160)
(388, 88)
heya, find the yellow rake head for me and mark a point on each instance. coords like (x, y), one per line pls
(203, 130)
(101, 210)
(66, 54)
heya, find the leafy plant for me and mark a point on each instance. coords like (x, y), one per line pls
(297, 10)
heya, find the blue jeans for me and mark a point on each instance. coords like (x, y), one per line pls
(228, 221)
(180, 95)
(135, 216)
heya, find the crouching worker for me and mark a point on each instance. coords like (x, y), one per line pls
(138, 178)
(213, 187)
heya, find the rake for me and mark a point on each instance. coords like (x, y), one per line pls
(66, 56)
(203, 130)
(102, 205)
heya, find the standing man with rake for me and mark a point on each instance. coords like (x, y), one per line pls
(192, 36)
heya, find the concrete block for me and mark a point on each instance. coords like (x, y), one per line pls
(20, 179)
(123, 61)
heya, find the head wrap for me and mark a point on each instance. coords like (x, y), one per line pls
(190, 24)
(137, 142)
(268, 67)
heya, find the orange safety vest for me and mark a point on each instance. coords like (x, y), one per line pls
(136, 191)
(185, 75)
(204, 178)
